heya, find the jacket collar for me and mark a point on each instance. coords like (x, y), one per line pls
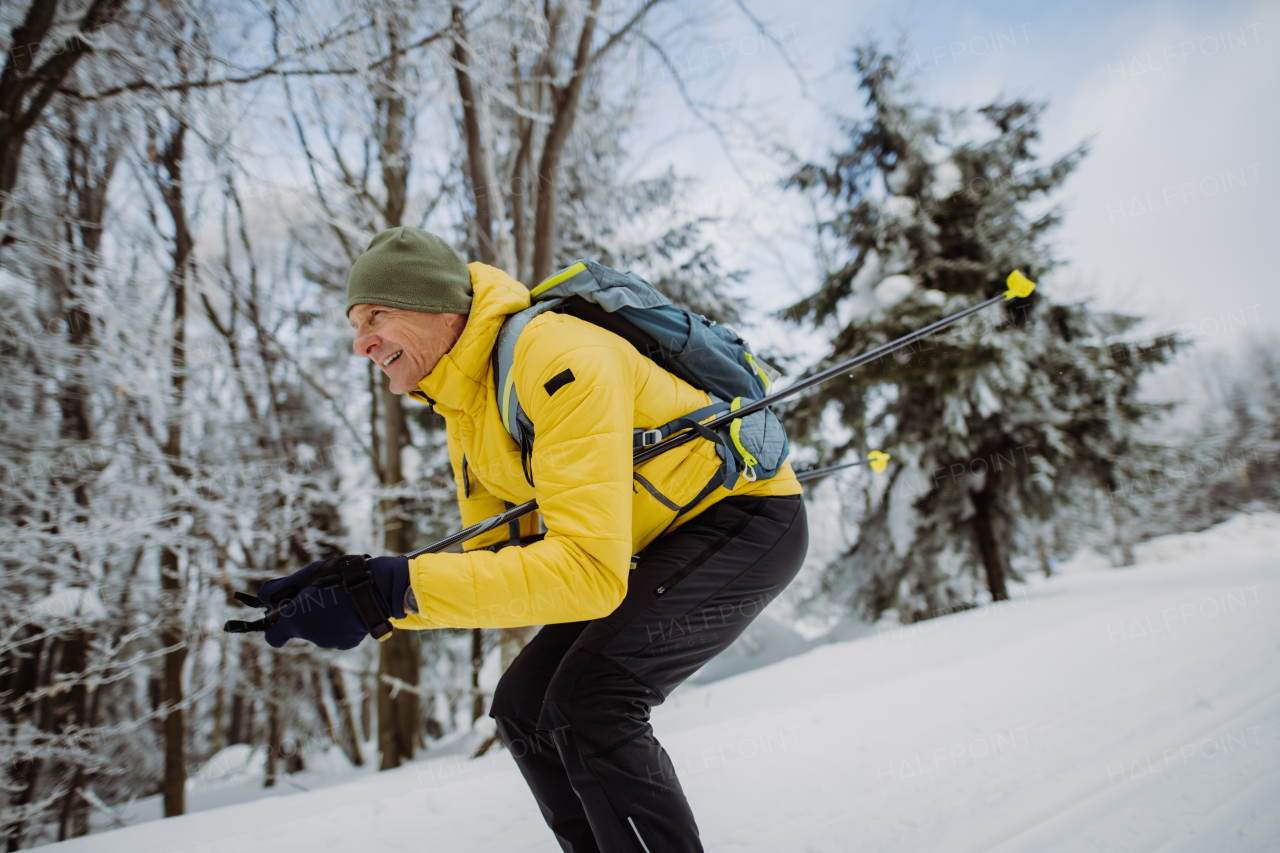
(457, 384)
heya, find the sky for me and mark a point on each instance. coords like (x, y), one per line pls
(1171, 216)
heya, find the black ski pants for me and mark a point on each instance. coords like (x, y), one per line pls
(573, 707)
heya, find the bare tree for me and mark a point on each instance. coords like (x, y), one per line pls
(28, 85)
(167, 148)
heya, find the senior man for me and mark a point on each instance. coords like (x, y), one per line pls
(619, 634)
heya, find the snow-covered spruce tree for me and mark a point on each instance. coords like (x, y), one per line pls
(993, 424)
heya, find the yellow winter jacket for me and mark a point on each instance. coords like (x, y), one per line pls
(595, 514)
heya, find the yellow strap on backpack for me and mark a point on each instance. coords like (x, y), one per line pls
(764, 377)
(735, 431)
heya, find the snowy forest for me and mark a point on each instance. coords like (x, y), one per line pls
(184, 187)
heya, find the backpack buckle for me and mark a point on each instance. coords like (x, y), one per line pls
(650, 437)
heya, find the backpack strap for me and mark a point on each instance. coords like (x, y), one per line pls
(504, 381)
(726, 475)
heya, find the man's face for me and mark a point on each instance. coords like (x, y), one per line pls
(407, 345)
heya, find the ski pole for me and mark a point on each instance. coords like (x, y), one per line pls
(876, 459)
(1018, 285)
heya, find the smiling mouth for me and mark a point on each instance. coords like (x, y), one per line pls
(392, 358)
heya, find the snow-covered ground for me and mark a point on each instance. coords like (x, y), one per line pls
(1101, 710)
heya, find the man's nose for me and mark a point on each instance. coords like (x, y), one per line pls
(364, 344)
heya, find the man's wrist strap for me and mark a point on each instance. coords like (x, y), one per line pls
(357, 580)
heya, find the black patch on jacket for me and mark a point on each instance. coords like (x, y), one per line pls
(561, 379)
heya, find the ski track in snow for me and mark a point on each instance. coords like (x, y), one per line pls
(1100, 710)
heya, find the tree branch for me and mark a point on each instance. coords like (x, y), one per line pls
(692, 104)
(260, 74)
(620, 34)
(759, 25)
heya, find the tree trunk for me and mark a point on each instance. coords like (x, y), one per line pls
(566, 108)
(218, 739)
(394, 129)
(519, 202)
(19, 678)
(26, 775)
(322, 710)
(346, 720)
(274, 737)
(241, 722)
(476, 153)
(170, 159)
(91, 161)
(73, 713)
(394, 537)
(477, 662)
(399, 656)
(503, 248)
(984, 532)
(398, 713)
(235, 726)
(172, 637)
(254, 670)
(367, 693)
(1123, 554)
(72, 820)
(90, 164)
(31, 674)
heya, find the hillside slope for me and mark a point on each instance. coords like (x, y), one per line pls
(1100, 710)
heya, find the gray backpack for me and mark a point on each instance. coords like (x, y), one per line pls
(708, 356)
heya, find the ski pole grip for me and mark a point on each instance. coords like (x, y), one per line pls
(1019, 285)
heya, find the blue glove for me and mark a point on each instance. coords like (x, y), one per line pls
(326, 615)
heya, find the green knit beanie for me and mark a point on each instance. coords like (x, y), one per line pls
(410, 268)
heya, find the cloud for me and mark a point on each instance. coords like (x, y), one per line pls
(1169, 215)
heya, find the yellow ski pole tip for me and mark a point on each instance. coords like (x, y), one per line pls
(1019, 285)
(879, 461)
